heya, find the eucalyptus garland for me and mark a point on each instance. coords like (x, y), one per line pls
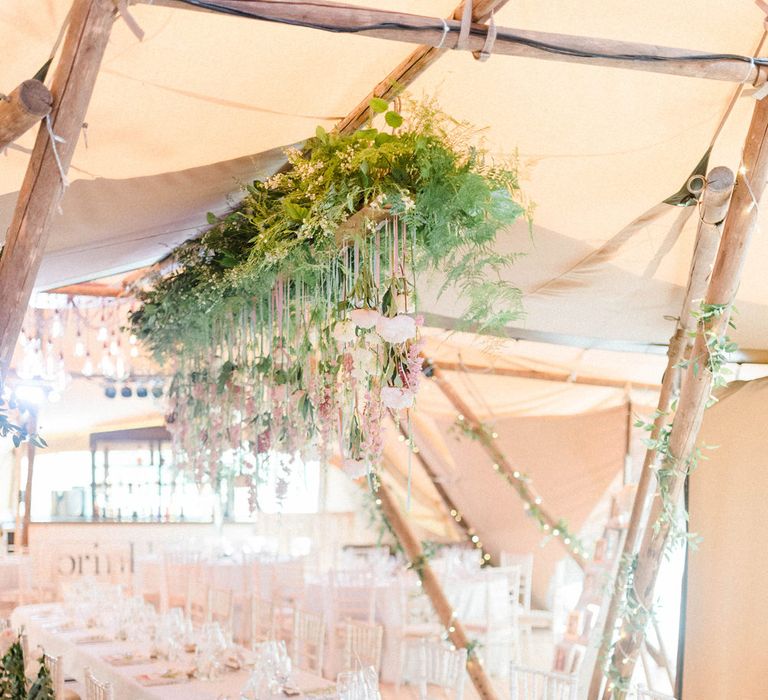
(292, 322)
(673, 516)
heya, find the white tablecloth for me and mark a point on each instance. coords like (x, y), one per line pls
(40, 621)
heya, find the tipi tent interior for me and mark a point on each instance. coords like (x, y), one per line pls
(623, 394)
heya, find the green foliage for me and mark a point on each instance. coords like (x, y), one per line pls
(42, 686)
(18, 433)
(13, 682)
(451, 200)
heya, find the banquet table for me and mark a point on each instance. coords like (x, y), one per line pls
(43, 624)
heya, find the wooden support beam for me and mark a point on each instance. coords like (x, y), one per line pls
(429, 31)
(455, 514)
(562, 376)
(714, 207)
(432, 588)
(88, 289)
(740, 225)
(499, 459)
(41, 191)
(22, 109)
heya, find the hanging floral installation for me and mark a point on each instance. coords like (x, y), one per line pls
(292, 324)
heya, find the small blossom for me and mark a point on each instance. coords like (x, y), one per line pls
(365, 318)
(397, 329)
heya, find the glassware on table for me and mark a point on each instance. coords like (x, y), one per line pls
(358, 685)
(208, 659)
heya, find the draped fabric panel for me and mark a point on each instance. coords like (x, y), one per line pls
(726, 638)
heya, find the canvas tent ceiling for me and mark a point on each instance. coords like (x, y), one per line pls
(178, 120)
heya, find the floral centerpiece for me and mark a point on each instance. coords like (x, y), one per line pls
(293, 323)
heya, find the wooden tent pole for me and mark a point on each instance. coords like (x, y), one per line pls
(22, 109)
(549, 375)
(740, 224)
(456, 516)
(41, 191)
(429, 31)
(714, 207)
(27, 518)
(431, 585)
(499, 460)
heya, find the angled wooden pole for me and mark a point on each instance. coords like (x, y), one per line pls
(740, 224)
(41, 191)
(432, 588)
(430, 31)
(549, 375)
(499, 460)
(455, 514)
(410, 69)
(714, 206)
(22, 109)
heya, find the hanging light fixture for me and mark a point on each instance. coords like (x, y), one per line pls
(79, 345)
(87, 370)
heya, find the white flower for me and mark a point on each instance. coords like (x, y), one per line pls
(355, 468)
(397, 329)
(396, 397)
(365, 362)
(365, 318)
(344, 331)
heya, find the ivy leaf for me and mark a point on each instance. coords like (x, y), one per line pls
(378, 105)
(212, 218)
(295, 211)
(393, 119)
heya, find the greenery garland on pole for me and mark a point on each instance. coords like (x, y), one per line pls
(673, 515)
(292, 323)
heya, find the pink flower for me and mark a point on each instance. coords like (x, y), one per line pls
(365, 318)
(355, 468)
(396, 397)
(397, 329)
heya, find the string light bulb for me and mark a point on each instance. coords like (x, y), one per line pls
(79, 345)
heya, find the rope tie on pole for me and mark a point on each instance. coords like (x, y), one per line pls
(485, 53)
(54, 140)
(446, 29)
(133, 25)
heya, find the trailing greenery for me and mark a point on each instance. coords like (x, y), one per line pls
(521, 483)
(292, 322)
(452, 200)
(673, 518)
